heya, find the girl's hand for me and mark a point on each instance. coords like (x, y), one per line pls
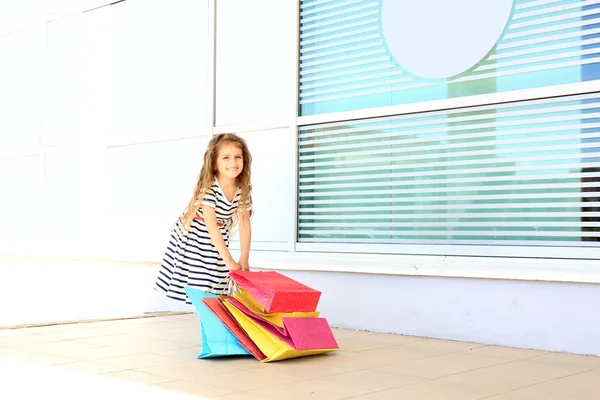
(233, 266)
(244, 264)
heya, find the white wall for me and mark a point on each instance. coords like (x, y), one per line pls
(112, 107)
(256, 94)
(273, 188)
(24, 14)
(105, 124)
(539, 315)
(256, 60)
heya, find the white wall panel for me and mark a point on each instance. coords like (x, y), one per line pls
(18, 14)
(22, 204)
(150, 184)
(63, 208)
(96, 77)
(273, 188)
(79, 88)
(255, 62)
(62, 109)
(61, 7)
(21, 14)
(159, 52)
(21, 90)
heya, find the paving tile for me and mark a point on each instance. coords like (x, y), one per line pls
(354, 344)
(26, 340)
(84, 333)
(137, 342)
(436, 390)
(9, 351)
(138, 361)
(253, 379)
(309, 389)
(242, 396)
(445, 346)
(138, 377)
(195, 388)
(89, 367)
(34, 381)
(438, 366)
(35, 357)
(187, 353)
(501, 378)
(62, 327)
(64, 348)
(504, 352)
(520, 395)
(314, 366)
(197, 369)
(383, 395)
(186, 335)
(583, 386)
(396, 354)
(161, 352)
(349, 333)
(13, 332)
(395, 340)
(369, 380)
(544, 371)
(100, 352)
(345, 362)
(569, 359)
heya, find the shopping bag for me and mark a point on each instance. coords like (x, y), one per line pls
(272, 347)
(275, 318)
(299, 333)
(217, 340)
(276, 293)
(221, 312)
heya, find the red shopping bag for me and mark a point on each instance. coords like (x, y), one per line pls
(277, 293)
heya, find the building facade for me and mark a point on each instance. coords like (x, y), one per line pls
(435, 169)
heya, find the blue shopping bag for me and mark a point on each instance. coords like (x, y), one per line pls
(217, 340)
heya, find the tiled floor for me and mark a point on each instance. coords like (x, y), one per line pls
(156, 358)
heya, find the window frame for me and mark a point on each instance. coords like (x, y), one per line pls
(546, 252)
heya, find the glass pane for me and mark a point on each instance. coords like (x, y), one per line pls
(517, 174)
(375, 53)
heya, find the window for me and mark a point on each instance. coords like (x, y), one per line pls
(514, 177)
(371, 53)
(524, 174)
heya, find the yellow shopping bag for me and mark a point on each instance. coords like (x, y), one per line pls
(275, 318)
(273, 348)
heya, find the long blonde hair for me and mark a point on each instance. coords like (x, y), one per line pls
(207, 177)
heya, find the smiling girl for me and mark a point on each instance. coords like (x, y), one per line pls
(198, 254)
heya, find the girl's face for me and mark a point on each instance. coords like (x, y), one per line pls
(230, 160)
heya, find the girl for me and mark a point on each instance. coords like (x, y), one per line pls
(197, 254)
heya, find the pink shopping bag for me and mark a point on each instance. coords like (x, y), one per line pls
(299, 333)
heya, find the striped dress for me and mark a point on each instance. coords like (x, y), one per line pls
(191, 259)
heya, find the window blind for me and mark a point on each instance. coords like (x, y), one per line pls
(525, 173)
(346, 62)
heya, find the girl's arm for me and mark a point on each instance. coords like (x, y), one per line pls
(245, 236)
(210, 219)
